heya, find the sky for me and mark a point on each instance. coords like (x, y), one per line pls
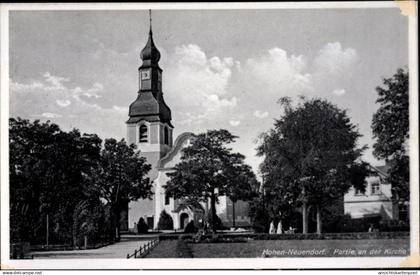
(221, 68)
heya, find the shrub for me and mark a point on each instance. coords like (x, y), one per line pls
(190, 228)
(218, 221)
(359, 225)
(328, 236)
(165, 221)
(142, 227)
(345, 223)
(393, 226)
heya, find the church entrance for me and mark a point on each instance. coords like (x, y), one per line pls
(183, 220)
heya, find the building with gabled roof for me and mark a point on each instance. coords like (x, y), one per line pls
(375, 200)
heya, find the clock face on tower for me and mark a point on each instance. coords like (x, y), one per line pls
(145, 75)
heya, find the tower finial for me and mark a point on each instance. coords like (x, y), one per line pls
(150, 53)
(150, 20)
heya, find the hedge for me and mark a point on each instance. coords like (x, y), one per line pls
(312, 236)
(165, 221)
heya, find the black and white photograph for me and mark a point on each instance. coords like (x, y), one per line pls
(209, 135)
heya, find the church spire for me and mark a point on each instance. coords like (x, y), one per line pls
(150, 102)
(150, 54)
(150, 21)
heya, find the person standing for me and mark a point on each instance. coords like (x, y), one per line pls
(272, 228)
(279, 228)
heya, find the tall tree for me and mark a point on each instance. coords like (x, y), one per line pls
(310, 155)
(48, 173)
(121, 178)
(242, 183)
(205, 170)
(390, 126)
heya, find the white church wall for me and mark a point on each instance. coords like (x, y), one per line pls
(160, 198)
(139, 209)
(144, 207)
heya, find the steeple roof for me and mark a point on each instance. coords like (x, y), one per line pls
(150, 104)
(150, 54)
(147, 107)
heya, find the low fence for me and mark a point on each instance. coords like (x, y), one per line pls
(144, 250)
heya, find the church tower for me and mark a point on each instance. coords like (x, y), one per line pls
(149, 124)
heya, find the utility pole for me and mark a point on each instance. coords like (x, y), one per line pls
(47, 231)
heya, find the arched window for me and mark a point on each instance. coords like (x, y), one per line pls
(166, 135)
(143, 133)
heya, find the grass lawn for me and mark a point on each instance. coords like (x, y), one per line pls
(170, 249)
(303, 248)
(165, 249)
(286, 248)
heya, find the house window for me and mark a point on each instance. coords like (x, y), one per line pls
(167, 198)
(358, 192)
(166, 135)
(143, 133)
(376, 188)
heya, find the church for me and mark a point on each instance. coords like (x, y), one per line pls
(150, 128)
